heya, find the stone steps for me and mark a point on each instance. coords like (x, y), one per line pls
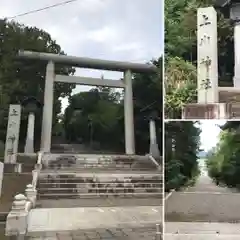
(88, 177)
(99, 185)
(58, 161)
(58, 195)
(94, 167)
(146, 233)
(99, 202)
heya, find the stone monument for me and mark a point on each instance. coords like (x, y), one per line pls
(12, 137)
(215, 102)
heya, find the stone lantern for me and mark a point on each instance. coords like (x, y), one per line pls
(31, 106)
(154, 149)
(152, 117)
(231, 9)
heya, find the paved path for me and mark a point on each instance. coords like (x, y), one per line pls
(203, 212)
(204, 202)
(202, 231)
(200, 237)
(70, 219)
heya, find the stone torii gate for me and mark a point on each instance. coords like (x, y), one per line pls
(51, 77)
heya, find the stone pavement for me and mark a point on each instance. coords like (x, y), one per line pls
(146, 233)
(203, 212)
(203, 203)
(71, 219)
(201, 231)
(202, 228)
(200, 237)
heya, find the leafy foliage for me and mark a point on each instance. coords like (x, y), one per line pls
(223, 161)
(182, 143)
(23, 78)
(179, 92)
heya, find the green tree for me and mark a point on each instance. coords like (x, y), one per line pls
(21, 78)
(95, 116)
(223, 163)
(182, 141)
(98, 115)
(180, 86)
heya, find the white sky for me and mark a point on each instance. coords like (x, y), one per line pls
(210, 132)
(124, 30)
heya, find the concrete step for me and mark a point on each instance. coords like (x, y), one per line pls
(56, 161)
(59, 195)
(89, 185)
(95, 167)
(98, 202)
(73, 182)
(146, 233)
(102, 174)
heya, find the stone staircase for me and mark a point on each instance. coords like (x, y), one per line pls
(124, 191)
(86, 195)
(93, 180)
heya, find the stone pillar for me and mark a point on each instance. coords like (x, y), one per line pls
(154, 150)
(236, 79)
(29, 146)
(128, 114)
(31, 194)
(207, 52)
(13, 128)
(48, 109)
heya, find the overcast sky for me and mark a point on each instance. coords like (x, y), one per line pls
(125, 30)
(210, 132)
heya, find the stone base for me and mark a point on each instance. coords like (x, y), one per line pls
(234, 109)
(154, 150)
(206, 111)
